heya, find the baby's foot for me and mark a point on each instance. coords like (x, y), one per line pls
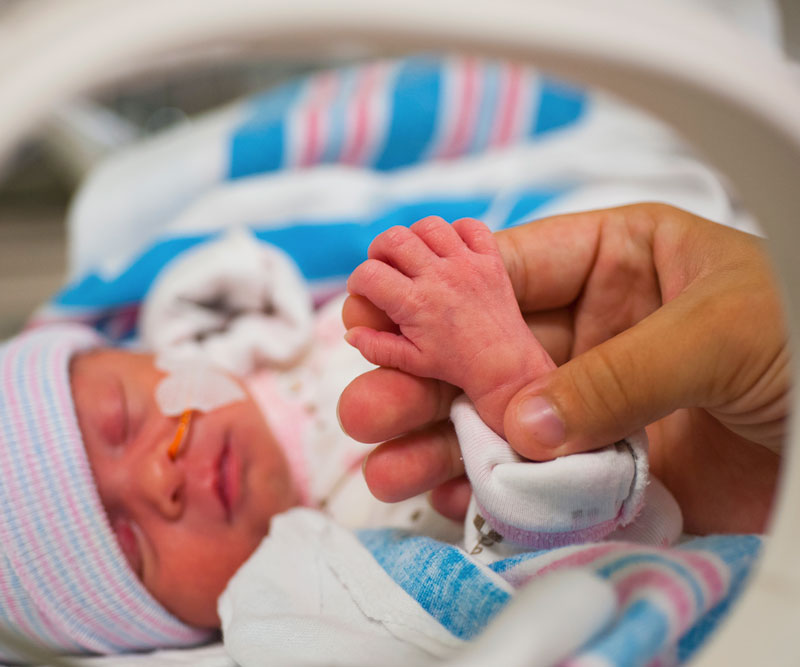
(448, 292)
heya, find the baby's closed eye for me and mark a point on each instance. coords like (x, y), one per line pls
(114, 419)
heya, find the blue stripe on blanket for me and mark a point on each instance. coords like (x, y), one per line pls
(560, 104)
(739, 553)
(323, 250)
(129, 286)
(454, 590)
(257, 145)
(333, 250)
(487, 110)
(458, 593)
(337, 115)
(500, 566)
(637, 635)
(415, 102)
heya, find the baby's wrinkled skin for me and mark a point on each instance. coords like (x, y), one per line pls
(446, 289)
(186, 525)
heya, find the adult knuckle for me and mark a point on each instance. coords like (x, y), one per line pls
(604, 388)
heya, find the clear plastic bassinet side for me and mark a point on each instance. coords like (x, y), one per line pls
(732, 99)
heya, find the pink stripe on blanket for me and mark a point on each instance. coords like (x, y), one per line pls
(583, 557)
(316, 118)
(509, 101)
(355, 144)
(648, 578)
(710, 573)
(466, 110)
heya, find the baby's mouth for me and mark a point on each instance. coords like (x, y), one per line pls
(223, 480)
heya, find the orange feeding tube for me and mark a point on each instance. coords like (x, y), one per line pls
(180, 435)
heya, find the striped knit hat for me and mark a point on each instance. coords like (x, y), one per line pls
(64, 582)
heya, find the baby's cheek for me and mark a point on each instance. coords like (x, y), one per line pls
(194, 570)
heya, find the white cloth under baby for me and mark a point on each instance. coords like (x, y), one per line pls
(312, 594)
(235, 302)
(520, 504)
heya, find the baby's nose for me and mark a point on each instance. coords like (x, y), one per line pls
(162, 482)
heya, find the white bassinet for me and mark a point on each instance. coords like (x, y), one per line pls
(732, 99)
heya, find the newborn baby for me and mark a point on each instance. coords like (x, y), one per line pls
(121, 524)
(184, 524)
(158, 503)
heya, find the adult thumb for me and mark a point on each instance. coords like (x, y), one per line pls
(617, 387)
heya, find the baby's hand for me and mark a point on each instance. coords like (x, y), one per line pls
(448, 292)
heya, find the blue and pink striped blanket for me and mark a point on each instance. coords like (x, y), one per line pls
(320, 165)
(315, 593)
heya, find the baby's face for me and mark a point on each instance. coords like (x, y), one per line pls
(185, 525)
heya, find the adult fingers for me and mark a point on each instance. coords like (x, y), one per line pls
(451, 499)
(414, 463)
(666, 361)
(358, 311)
(554, 329)
(717, 343)
(550, 260)
(384, 403)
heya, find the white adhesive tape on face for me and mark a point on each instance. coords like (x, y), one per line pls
(193, 385)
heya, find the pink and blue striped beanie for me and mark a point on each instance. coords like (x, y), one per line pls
(64, 582)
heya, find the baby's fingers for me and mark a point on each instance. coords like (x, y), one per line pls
(383, 348)
(451, 499)
(383, 285)
(476, 236)
(439, 236)
(402, 249)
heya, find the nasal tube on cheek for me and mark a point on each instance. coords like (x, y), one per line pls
(177, 441)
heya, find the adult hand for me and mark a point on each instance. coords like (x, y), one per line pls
(656, 318)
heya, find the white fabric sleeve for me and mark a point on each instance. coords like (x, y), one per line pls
(578, 498)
